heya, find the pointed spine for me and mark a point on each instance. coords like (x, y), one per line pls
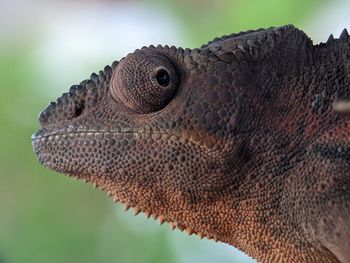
(330, 39)
(161, 220)
(344, 36)
(126, 207)
(148, 214)
(136, 211)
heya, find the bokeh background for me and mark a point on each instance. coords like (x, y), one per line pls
(46, 46)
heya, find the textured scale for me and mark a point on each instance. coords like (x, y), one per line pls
(245, 140)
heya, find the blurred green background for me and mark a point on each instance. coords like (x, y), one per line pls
(46, 46)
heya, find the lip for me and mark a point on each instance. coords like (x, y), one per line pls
(42, 135)
(80, 129)
(42, 132)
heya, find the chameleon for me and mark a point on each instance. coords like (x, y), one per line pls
(244, 140)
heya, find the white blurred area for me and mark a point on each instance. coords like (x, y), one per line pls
(74, 38)
(103, 33)
(330, 18)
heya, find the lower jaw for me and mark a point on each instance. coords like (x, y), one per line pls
(47, 147)
(160, 217)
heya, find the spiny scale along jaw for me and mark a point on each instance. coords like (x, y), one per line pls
(165, 130)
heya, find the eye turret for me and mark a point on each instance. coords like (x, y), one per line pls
(145, 81)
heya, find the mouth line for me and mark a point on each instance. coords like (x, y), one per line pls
(64, 135)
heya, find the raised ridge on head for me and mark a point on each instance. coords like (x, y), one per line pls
(344, 36)
(252, 45)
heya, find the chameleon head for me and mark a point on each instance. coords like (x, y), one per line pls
(161, 130)
(150, 130)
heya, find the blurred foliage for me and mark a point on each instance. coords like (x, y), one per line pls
(51, 218)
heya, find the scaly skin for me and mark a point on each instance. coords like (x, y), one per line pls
(244, 140)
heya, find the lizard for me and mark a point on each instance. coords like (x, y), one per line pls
(244, 140)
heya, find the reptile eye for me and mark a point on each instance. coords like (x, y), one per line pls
(145, 81)
(163, 78)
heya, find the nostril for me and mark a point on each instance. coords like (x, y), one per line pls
(79, 109)
(73, 103)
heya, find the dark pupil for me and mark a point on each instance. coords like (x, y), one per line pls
(163, 78)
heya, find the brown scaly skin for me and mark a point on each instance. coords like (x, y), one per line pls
(241, 140)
